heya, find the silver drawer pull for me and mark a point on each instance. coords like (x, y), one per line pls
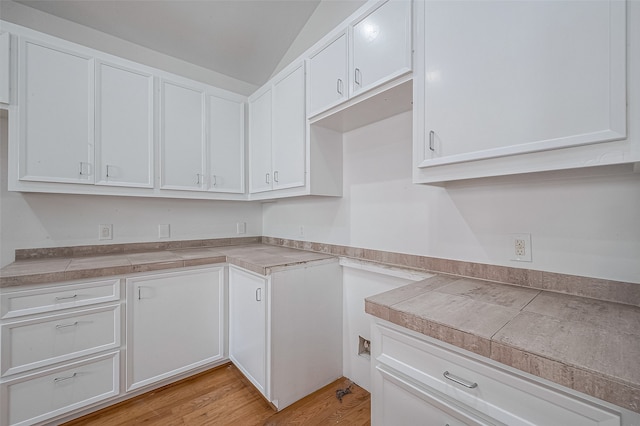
(459, 380)
(59, 326)
(258, 294)
(62, 379)
(67, 297)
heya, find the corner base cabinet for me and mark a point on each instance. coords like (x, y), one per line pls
(417, 378)
(175, 323)
(285, 329)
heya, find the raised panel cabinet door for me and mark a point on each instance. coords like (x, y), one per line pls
(506, 78)
(381, 45)
(226, 144)
(56, 114)
(260, 174)
(175, 323)
(124, 127)
(247, 326)
(5, 40)
(289, 122)
(182, 137)
(328, 76)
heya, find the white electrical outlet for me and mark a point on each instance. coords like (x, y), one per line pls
(105, 232)
(241, 227)
(520, 247)
(164, 231)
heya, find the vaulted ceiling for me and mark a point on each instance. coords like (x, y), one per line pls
(244, 39)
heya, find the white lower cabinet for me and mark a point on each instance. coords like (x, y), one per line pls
(60, 349)
(37, 397)
(416, 380)
(175, 323)
(285, 329)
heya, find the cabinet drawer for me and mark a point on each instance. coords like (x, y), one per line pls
(27, 302)
(37, 397)
(47, 340)
(497, 393)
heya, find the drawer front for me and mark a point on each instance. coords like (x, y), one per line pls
(41, 396)
(406, 402)
(47, 340)
(495, 392)
(50, 299)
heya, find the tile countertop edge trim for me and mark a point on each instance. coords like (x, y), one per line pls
(591, 383)
(594, 288)
(129, 248)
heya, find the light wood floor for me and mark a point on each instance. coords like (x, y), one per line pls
(223, 396)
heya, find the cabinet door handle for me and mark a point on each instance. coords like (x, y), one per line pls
(267, 180)
(59, 326)
(198, 178)
(62, 379)
(81, 169)
(432, 136)
(258, 294)
(215, 180)
(107, 171)
(66, 297)
(459, 380)
(275, 176)
(339, 86)
(357, 76)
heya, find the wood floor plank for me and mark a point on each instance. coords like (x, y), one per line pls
(223, 396)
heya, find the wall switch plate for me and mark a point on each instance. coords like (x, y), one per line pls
(105, 232)
(241, 227)
(520, 247)
(164, 231)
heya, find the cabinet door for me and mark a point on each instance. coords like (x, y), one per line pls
(4, 67)
(247, 326)
(505, 78)
(56, 111)
(175, 323)
(328, 76)
(289, 121)
(124, 127)
(226, 144)
(260, 176)
(182, 137)
(381, 46)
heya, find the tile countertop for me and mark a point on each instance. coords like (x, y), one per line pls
(259, 258)
(588, 345)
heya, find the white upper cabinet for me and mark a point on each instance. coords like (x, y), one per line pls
(5, 55)
(328, 84)
(260, 142)
(277, 141)
(498, 79)
(381, 45)
(124, 127)
(373, 50)
(182, 137)
(56, 110)
(289, 122)
(226, 145)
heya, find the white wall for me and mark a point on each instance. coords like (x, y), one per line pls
(586, 225)
(29, 220)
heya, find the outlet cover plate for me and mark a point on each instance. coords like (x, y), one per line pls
(520, 247)
(164, 231)
(105, 232)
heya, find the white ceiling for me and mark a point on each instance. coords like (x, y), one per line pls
(244, 39)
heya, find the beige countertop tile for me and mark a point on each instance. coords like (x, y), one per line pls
(589, 345)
